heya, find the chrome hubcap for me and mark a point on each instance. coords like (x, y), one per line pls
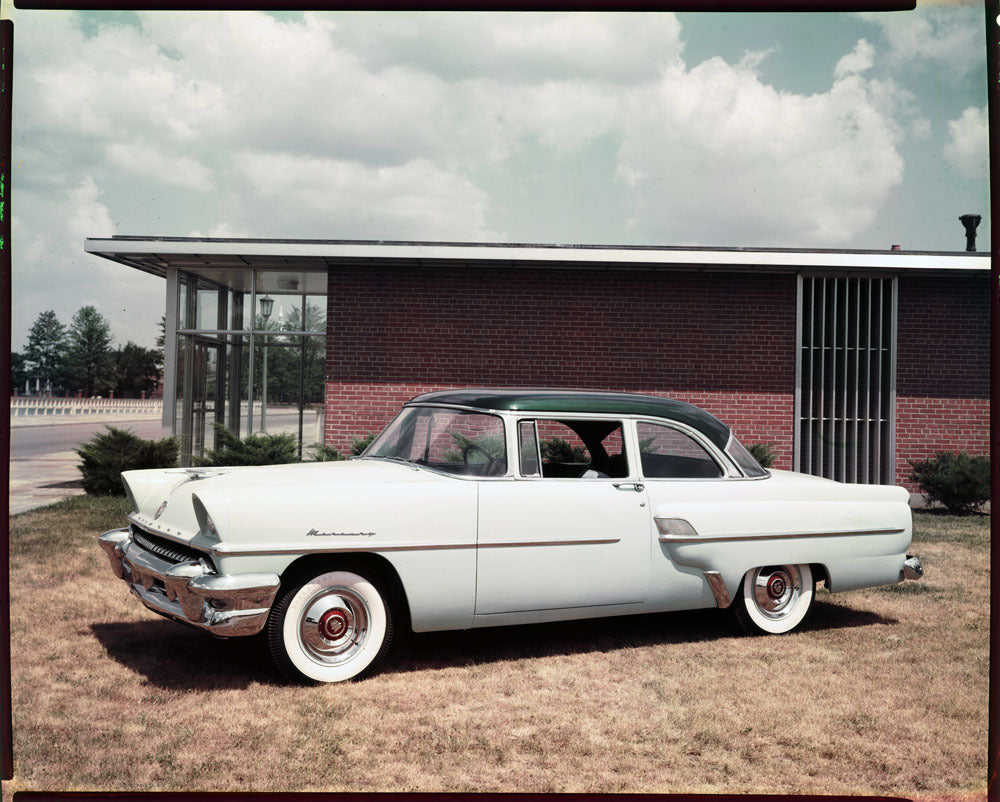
(334, 626)
(776, 588)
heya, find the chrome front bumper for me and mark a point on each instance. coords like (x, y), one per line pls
(191, 592)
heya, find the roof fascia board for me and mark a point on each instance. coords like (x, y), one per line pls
(534, 255)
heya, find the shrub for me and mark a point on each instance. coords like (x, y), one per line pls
(325, 453)
(558, 450)
(764, 453)
(359, 444)
(107, 454)
(257, 449)
(959, 482)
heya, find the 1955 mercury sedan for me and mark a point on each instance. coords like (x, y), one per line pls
(480, 508)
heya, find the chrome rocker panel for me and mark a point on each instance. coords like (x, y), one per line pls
(190, 592)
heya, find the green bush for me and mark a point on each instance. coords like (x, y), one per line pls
(558, 450)
(359, 444)
(764, 453)
(959, 482)
(325, 453)
(107, 454)
(257, 449)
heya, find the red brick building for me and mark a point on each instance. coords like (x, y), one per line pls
(851, 363)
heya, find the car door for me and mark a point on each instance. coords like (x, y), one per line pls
(572, 530)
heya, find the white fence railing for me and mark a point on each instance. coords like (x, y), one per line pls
(38, 407)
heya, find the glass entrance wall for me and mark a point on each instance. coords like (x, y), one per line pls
(251, 350)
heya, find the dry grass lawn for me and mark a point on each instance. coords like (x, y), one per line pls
(884, 692)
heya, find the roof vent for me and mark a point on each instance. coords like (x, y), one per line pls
(971, 222)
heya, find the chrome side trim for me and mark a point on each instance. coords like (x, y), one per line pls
(719, 589)
(227, 550)
(588, 542)
(774, 536)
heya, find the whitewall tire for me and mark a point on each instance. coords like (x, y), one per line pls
(330, 626)
(774, 599)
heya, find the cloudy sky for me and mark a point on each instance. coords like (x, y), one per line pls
(804, 130)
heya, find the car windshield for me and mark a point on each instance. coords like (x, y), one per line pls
(450, 440)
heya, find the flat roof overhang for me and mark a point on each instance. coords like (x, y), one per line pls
(158, 255)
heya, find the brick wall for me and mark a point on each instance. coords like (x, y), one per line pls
(942, 375)
(722, 341)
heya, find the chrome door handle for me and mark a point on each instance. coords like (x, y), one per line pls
(638, 487)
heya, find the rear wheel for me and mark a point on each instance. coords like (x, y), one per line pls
(330, 626)
(774, 599)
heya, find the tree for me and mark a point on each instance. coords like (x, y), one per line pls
(46, 352)
(135, 370)
(91, 360)
(161, 340)
(18, 373)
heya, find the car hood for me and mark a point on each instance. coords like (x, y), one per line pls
(206, 505)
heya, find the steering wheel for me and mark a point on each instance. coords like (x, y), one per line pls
(490, 459)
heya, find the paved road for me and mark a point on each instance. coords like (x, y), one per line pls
(43, 465)
(27, 442)
(35, 441)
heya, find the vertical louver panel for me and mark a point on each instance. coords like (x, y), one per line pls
(845, 387)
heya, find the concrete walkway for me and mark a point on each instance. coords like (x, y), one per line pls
(41, 479)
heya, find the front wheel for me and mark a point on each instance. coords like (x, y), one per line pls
(775, 598)
(330, 627)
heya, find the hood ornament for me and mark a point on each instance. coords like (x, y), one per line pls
(159, 510)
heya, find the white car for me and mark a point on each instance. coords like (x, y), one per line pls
(480, 508)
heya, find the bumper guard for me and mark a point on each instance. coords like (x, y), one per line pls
(191, 592)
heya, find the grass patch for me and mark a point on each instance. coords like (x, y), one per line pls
(936, 526)
(887, 690)
(908, 588)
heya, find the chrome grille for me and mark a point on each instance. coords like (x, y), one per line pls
(176, 552)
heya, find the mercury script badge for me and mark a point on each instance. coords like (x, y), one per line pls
(317, 533)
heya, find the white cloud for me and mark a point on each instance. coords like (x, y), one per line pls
(752, 59)
(434, 126)
(859, 60)
(947, 39)
(967, 147)
(920, 129)
(88, 217)
(414, 200)
(222, 230)
(146, 161)
(515, 48)
(51, 270)
(713, 153)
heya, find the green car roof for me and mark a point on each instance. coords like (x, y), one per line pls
(584, 401)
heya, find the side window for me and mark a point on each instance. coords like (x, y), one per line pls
(668, 453)
(574, 449)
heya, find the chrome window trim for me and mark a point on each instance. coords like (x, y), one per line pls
(517, 416)
(723, 460)
(506, 476)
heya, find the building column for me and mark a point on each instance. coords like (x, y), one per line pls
(169, 415)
